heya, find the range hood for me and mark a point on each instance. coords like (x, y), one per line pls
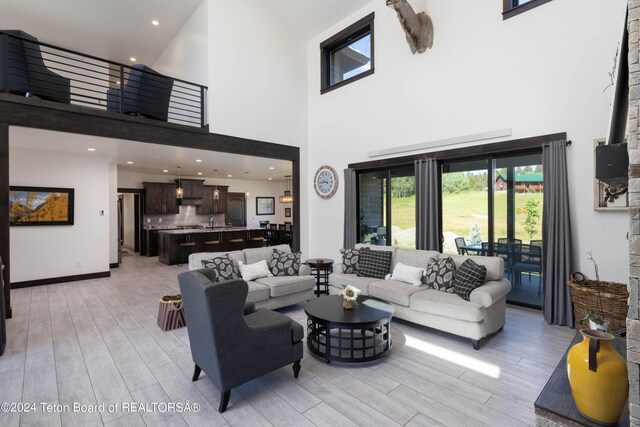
(612, 159)
(189, 202)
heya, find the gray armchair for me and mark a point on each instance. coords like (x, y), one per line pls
(231, 341)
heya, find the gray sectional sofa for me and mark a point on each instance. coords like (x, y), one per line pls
(477, 318)
(268, 292)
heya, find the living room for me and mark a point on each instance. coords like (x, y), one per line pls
(538, 73)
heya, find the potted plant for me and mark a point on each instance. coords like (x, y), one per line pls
(596, 321)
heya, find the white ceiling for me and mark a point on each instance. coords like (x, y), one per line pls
(119, 29)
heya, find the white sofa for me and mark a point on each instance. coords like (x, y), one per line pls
(268, 292)
(477, 318)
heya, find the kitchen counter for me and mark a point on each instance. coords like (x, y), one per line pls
(201, 240)
(209, 230)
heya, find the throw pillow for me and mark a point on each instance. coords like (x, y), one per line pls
(374, 264)
(407, 274)
(350, 260)
(469, 276)
(223, 268)
(254, 271)
(284, 264)
(440, 274)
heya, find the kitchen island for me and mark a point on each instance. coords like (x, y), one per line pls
(204, 240)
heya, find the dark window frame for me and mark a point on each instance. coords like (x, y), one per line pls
(510, 10)
(337, 42)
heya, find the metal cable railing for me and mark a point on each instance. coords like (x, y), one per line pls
(34, 69)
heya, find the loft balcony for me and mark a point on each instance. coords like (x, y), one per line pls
(34, 70)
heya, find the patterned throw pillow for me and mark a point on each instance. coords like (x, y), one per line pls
(350, 260)
(223, 268)
(469, 276)
(374, 264)
(440, 274)
(284, 264)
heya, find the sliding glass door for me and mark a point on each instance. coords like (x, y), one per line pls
(387, 206)
(492, 205)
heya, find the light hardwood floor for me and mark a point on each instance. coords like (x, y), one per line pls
(97, 341)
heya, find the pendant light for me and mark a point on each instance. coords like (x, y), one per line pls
(179, 191)
(216, 193)
(287, 197)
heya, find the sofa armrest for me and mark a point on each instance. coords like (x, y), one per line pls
(337, 267)
(304, 270)
(490, 292)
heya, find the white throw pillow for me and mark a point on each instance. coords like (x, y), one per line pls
(407, 274)
(254, 271)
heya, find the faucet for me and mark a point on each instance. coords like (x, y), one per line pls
(211, 221)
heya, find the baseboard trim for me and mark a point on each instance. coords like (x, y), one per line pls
(114, 265)
(52, 280)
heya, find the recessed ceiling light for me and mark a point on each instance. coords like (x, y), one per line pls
(91, 149)
(133, 59)
(271, 167)
(165, 170)
(270, 179)
(154, 22)
(199, 173)
(129, 162)
(198, 161)
(229, 176)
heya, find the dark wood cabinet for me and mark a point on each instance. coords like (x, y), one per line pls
(151, 243)
(191, 188)
(160, 198)
(210, 205)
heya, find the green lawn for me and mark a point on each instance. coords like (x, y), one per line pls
(463, 209)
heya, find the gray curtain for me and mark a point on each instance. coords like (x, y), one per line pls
(350, 210)
(556, 234)
(427, 224)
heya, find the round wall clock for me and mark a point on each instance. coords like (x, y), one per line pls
(326, 182)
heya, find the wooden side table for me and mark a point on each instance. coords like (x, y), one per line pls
(322, 267)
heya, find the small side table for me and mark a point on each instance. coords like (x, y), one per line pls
(322, 267)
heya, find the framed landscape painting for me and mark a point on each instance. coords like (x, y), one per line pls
(265, 205)
(40, 206)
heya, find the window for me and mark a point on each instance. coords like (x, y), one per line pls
(347, 56)
(387, 206)
(514, 7)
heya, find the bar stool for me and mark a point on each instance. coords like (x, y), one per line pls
(256, 239)
(274, 235)
(236, 240)
(212, 244)
(182, 248)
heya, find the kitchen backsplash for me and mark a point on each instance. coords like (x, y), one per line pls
(187, 216)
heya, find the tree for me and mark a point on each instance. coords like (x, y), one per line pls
(532, 215)
(474, 236)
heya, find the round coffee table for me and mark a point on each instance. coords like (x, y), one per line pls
(352, 336)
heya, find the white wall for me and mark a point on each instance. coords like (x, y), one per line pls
(257, 74)
(540, 72)
(57, 251)
(253, 187)
(186, 57)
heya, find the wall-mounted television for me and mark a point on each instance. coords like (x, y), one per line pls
(40, 206)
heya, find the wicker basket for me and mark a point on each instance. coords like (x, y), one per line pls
(614, 297)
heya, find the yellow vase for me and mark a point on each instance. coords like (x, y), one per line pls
(598, 377)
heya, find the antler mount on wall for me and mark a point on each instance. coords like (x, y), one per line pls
(417, 27)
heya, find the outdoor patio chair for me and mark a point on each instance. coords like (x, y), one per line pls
(459, 244)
